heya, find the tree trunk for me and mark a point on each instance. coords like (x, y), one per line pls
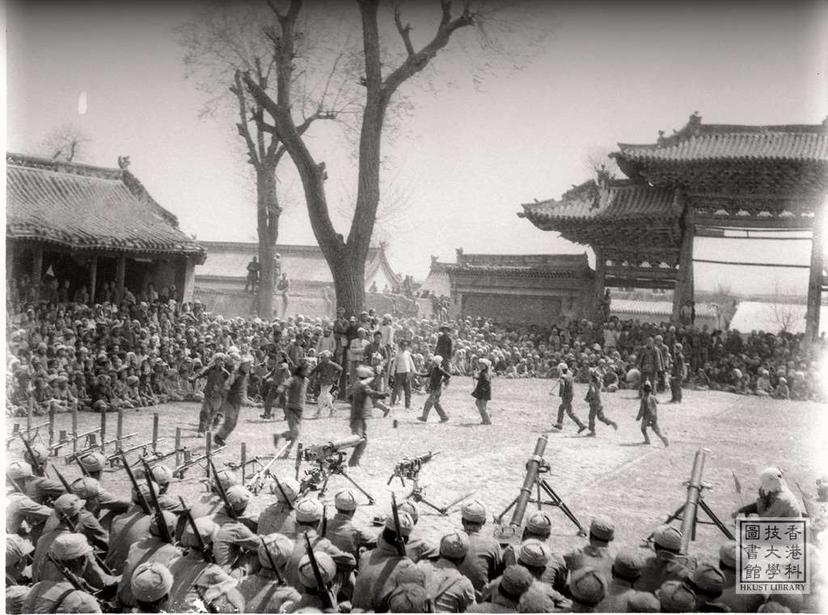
(349, 283)
(268, 230)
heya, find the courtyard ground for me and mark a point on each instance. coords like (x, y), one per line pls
(613, 475)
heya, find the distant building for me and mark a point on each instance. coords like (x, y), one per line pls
(662, 312)
(90, 225)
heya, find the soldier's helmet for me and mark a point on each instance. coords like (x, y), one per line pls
(151, 581)
(327, 569)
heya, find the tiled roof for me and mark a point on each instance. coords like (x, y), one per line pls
(618, 200)
(524, 265)
(85, 207)
(698, 142)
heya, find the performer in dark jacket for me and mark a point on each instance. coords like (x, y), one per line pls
(566, 392)
(361, 397)
(482, 392)
(444, 344)
(436, 377)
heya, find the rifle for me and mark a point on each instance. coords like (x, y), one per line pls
(282, 491)
(74, 580)
(31, 452)
(222, 493)
(324, 529)
(328, 599)
(84, 471)
(15, 484)
(279, 577)
(254, 484)
(142, 501)
(63, 480)
(159, 514)
(206, 555)
(398, 541)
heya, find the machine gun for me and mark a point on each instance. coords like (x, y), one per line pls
(688, 511)
(327, 459)
(535, 468)
(409, 468)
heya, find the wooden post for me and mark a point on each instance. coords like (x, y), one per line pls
(93, 278)
(684, 290)
(120, 274)
(815, 278)
(51, 425)
(208, 447)
(177, 446)
(37, 269)
(103, 432)
(74, 429)
(119, 430)
(243, 460)
(596, 309)
(29, 415)
(155, 432)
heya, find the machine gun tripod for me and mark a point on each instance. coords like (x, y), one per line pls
(409, 468)
(535, 468)
(328, 459)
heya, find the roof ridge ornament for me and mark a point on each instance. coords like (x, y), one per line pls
(123, 162)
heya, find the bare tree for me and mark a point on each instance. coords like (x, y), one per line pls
(230, 40)
(346, 256)
(785, 312)
(66, 142)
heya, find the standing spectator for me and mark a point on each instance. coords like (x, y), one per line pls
(482, 392)
(252, 279)
(444, 344)
(283, 287)
(402, 368)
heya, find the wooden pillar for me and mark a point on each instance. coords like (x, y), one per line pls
(815, 277)
(596, 309)
(120, 273)
(189, 281)
(684, 289)
(93, 278)
(37, 269)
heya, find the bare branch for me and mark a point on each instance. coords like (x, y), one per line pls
(404, 30)
(242, 126)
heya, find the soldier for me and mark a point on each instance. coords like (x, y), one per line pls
(738, 603)
(264, 592)
(676, 597)
(280, 516)
(648, 414)
(408, 598)
(21, 508)
(93, 463)
(437, 377)
(152, 549)
(539, 527)
(644, 602)
(626, 570)
(308, 516)
(380, 568)
(566, 391)
(210, 503)
(775, 497)
(18, 557)
(707, 582)
(448, 588)
(596, 554)
(127, 529)
(416, 547)
(73, 551)
(161, 475)
(216, 376)
(235, 544)
(39, 488)
(588, 588)
(666, 563)
(68, 516)
(58, 597)
(341, 530)
(484, 560)
(311, 593)
(534, 556)
(596, 408)
(514, 583)
(151, 584)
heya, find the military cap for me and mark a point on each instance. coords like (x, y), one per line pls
(86, 487)
(93, 462)
(408, 598)
(410, 507)
(668, 537)
(454, 545)
(412, 574)
(588, 586)
(643, 602)
(289, 486)
(533, 553)
(708, 580)
(161, 474)
(41, 454)
(69, 545)
(516, 580)
(602, 529)
(535, 600)
(280, 548)
(78, 602)
(345, 501)
(206, 528)
(170, 503)
(727, 555)
(100, 405)
(627, 564)
(676, 597)
(327, 569)
(19, 470)
(474, 512)
(238, 497)
(151, 581)
(68, 505)
(308, 510)
(170, 520)
(16, 549)
(406, 523)
(143, 489)
(539, 523)
(15, 595)
(227, 478)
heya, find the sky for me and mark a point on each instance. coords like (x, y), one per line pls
(468, 152)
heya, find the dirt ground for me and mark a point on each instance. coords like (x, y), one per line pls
(613, 475)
